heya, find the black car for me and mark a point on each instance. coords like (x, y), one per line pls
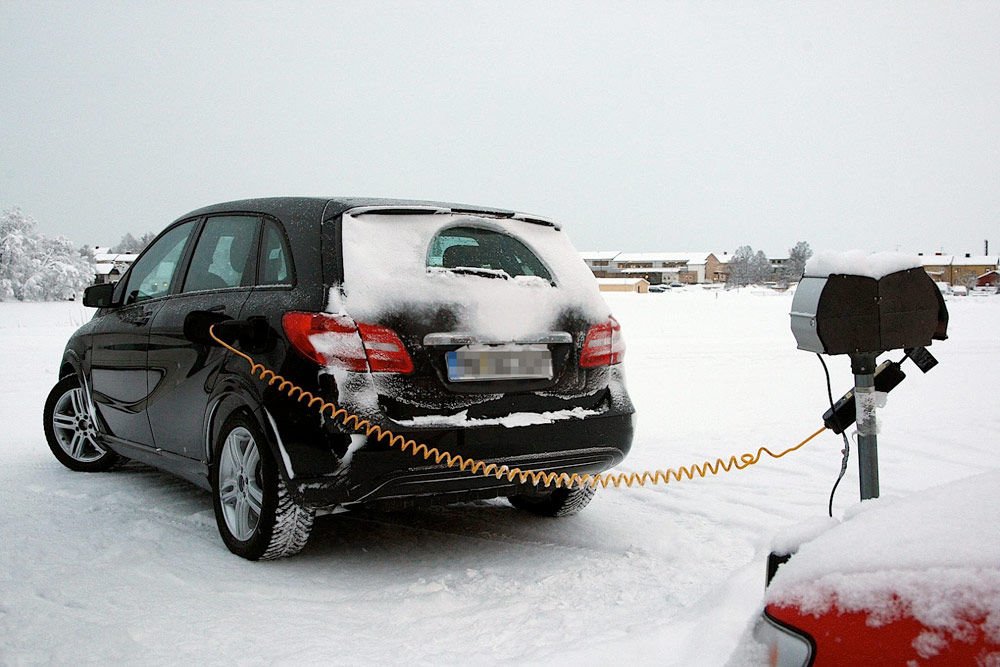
(477, 331)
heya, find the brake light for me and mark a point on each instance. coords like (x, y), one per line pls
(604, 345)
(337, 340)
(386, 352)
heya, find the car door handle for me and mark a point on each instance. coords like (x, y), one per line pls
(139, 318)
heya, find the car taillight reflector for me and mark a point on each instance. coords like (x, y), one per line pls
(604, 345)
(337, 340)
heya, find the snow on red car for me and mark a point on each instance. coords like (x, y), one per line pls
(912, 581)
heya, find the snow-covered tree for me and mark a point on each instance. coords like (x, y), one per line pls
(36, 268)
(17, 245)
(58, 271)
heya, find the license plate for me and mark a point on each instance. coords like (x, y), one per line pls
(499, 362)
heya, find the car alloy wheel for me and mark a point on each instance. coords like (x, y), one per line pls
(71, 429)
(240, 489)
(256, 515)
(74, 428)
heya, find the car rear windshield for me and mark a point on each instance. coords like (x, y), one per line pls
(397, 263)
(484, 252)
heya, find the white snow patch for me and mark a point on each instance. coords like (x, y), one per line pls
(637, 577)
(281, 446)
(337, 348)
(357, 442)
(859, 263)
(513, 420)
(934, 556)
(788, 540)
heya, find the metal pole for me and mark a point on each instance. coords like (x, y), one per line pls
(863, 367)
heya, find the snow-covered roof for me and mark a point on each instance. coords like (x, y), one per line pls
(600, 255)
(960, 260)
(686, 257)
(621, 281)
(664, 270)
(106, 257)
(104, 268)
(975, 260)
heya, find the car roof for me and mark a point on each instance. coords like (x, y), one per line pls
(331, 206)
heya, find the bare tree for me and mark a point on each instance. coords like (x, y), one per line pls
(797, 258)
(145, 240)
(760, 268)
(739, 267)
(128, 244)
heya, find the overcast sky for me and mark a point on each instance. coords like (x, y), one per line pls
(642, 126)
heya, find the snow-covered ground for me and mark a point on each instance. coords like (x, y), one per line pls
(127, 566)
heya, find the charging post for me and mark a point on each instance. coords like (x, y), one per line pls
(863, 316)
(865, 403)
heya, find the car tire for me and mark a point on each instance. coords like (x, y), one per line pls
(560, 502)
(71, 431)
(256, 515)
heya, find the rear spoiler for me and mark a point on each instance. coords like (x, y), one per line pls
(439, 210)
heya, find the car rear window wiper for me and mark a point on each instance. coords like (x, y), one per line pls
(474, 271)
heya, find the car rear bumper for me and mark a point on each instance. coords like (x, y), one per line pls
(381, 474)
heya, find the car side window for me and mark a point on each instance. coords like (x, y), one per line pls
(275, 261)
(222, 255)
(153, 273)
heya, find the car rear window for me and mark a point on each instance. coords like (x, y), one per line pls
(398, 264)
(486, 250)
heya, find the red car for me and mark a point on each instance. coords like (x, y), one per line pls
(899, 582)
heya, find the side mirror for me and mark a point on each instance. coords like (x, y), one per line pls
(100, 296)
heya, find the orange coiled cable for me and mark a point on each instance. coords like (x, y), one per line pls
(477, 467)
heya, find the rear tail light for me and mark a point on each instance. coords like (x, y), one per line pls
(386, 352)
(604, 345)
(337, 340)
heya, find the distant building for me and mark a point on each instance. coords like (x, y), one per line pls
(959, 270)
(966, 269)
(658, 268)
(599, 262)
(988, 279)
(637, 285)
(779, 268)
(718, 270)
(111, 266)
